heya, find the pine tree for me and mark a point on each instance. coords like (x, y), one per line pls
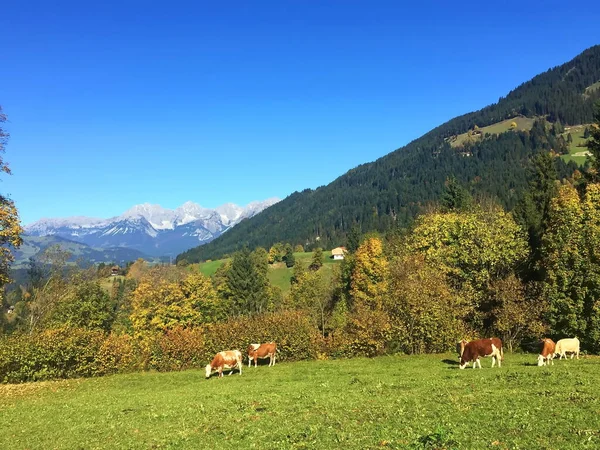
(246, 285)
(317, 259)
(455, 197)
(289, 257)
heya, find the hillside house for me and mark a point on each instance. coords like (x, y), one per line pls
(338, 253)
(114, 271)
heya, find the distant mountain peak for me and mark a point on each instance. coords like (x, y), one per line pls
(150, 228)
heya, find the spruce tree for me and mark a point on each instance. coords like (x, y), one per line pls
(317, 259)
(246, 285)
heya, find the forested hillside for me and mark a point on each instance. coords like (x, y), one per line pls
(392, 190)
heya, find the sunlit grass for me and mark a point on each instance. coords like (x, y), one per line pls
(393, 402)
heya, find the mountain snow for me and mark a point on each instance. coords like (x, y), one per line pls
(149, 228)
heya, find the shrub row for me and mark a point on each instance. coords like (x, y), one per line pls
(69, 353)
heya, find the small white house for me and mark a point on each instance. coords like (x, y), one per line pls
(338, 252)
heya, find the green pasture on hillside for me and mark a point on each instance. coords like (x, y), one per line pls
(577, 153)
(279, 275)
(523, 123)
(386, 402)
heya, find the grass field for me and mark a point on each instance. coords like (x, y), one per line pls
(576, 153)
(523, 123)
(279, 275)
(387, 402)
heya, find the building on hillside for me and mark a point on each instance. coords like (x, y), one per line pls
(338, 252)
(114, 271)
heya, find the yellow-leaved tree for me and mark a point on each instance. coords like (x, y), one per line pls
(10, 226)
(160, 305)
(473, 249)
(368, 282)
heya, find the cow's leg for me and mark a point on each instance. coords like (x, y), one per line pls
(240, 364)
(577, 354)
(493, 360)
(249, 360)
(499, 359)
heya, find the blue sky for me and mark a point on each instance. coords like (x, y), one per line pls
(113, 104)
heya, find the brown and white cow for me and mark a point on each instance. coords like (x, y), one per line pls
(230, 359)
(480, 348)
(546, 355)
(570, 345)
(262, 351)
(460, 347)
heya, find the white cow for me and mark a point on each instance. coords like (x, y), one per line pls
(570, 345)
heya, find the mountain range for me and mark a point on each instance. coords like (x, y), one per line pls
(389, 192)
(149, 229)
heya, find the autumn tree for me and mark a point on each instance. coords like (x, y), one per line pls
(591, 250)
(160, 305)
(369, 275)
(299, 249)
(312, 292)
(472, 249)
(563, 265)
(85, 305)
(425, 312)
(517, 312)
(276, 253)
(49, 285)
(10, 227)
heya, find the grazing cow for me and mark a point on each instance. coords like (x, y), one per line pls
(230, 359)
(251, 349)
(565, 346)
(460, 347)
(262, 351)
(546, 355)
(479, 348)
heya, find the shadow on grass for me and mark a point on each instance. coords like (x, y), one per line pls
(451, 362)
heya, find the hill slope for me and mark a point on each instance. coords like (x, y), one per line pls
(393, 189)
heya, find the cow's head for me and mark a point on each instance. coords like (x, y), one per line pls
(540, 360)
(208, 370)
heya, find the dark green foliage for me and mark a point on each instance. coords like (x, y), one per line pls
(392, 190)
(593, 145)
(246, 284)
(455, 197)
(289, 257)
(353, 239)
(88, 306)
(532, 211)
(317, 259)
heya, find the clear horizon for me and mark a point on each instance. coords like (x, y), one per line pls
(114, 105)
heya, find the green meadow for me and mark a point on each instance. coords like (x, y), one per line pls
(386, 402)
(577, 148)
(279, 275)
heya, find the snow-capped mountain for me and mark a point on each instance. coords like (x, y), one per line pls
(151, 229)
